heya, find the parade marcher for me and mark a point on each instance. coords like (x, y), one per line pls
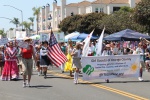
(120, 51)
(91, 49)
(37, 55)
(107, 51)
(10, 70)
(68, 65)
(133, 50)
(2, 61)
(19, 56)
(27, 61)
(114, 48)
(147, 60)
(44, 60)
(76, 53)
(63, 48)
(140, 50)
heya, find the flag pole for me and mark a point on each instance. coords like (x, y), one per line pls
(50, 33)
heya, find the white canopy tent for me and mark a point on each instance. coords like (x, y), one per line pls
(71, 35)
(35, 37)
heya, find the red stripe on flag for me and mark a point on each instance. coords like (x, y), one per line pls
(54, 61)
(51, 58)
(59, 53)
(56, 56)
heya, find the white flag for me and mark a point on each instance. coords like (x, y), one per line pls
(100, 44)
(86, 44)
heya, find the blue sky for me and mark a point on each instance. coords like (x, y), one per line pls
(24, 5)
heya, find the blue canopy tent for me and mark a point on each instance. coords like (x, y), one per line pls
(126, 35)
(82, 36)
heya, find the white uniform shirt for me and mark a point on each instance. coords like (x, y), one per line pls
(43, 51)
(141, 52)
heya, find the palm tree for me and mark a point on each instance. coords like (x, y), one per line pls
(26, 25)
(11, 28)
(15, 21)
(36, 12)
(32, 22)
(2, 33)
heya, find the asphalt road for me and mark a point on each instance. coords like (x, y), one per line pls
(60, 86)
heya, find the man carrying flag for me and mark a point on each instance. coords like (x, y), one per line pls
(55, 54)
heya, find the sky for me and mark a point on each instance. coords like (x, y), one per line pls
(24, 5)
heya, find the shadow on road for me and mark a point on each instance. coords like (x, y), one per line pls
(41, 86)
(129, 81)
(116, 82)
(61, 77)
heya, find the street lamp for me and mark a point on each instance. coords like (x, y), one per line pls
(18, 10)
(6, 18)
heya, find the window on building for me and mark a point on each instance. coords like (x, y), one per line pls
(116, 9)
(101, 10)
(55, 13)
(49, 26)
(50, 17)
(96, 10)
(39, 29)
(59, 13)
(72, 13)
(79, 11)
(39, 19)
(43, 27)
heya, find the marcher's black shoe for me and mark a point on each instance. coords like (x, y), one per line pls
(107, 80)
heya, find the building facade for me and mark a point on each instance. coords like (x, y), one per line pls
(48, 18)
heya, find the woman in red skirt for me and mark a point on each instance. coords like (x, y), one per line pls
(10, 70)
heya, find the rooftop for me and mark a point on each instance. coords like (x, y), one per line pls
(83, 3)
(113, 1)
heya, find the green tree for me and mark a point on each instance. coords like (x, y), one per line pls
(120, 20)
(32, 22)
(2, 33)
(126, 9)
(81, 23)
(89, 22)
(26, 25)
(142, 13)
(15, 21)
(64, 24)
(11, 28)
(70, 24)
(36, 12)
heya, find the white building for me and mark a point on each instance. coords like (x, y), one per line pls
(52, 18)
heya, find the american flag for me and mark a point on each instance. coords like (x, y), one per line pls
(55, 54)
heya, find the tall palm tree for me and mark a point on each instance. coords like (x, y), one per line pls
(36, 12)
(32, 22)
(15, 21)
